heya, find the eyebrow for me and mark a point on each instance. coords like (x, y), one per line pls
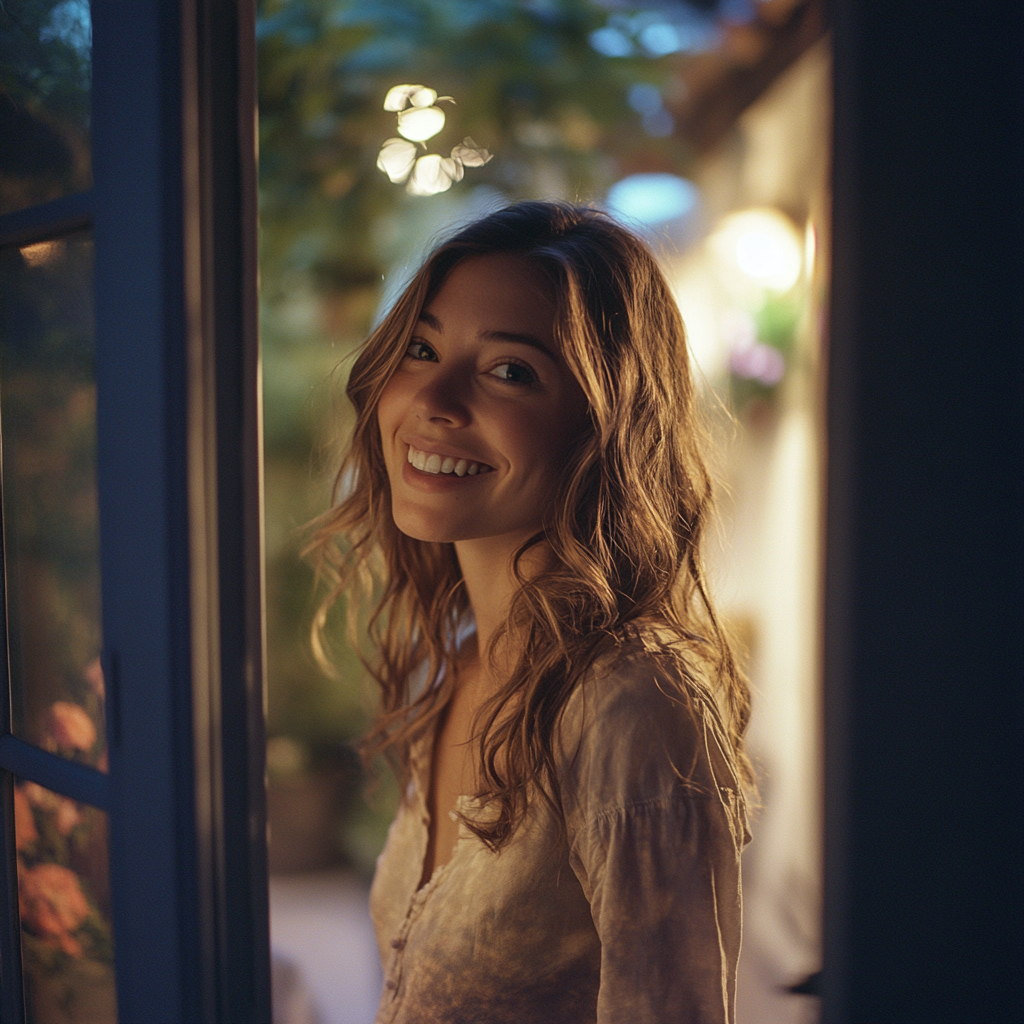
(510, 336)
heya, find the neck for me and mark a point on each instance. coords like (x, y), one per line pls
(486, 566)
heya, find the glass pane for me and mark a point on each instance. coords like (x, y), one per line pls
(67, 939)
(51, 544)
(45, 79)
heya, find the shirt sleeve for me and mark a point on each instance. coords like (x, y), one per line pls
(655, 829)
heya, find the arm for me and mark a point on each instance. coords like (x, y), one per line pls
(655, 833)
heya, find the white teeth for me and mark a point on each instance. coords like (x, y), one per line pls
(446, 465)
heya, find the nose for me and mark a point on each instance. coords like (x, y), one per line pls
(444, 398)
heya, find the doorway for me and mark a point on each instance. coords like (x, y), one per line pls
(706, 127)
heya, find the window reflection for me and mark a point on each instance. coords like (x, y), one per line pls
(51, 545)
(64, 894)
(45, 84)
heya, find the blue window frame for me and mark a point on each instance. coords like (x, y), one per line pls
(172, 211)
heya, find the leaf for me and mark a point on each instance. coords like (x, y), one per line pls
(433, 174)
(396, 159)
(400, 96)
(423, 97)
(420, 123)
(470, 154)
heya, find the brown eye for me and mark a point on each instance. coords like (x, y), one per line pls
(514, 373)
(421, 351)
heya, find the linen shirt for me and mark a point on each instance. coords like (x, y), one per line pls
(624, 906)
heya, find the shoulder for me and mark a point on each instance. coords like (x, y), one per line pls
(642, 728)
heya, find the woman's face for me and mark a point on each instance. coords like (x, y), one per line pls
(478, 418)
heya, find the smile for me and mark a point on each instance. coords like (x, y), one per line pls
(431, 462)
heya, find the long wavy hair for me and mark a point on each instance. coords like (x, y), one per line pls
(623, 533)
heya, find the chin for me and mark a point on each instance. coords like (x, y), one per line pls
(426, 528)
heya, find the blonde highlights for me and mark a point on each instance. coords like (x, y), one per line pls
(624, 530)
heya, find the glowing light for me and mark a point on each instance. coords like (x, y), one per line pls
(41, 253)
(419, 120)
(420, 123)
(644, 98)
(432, 174)
(401, 96)
(758, 362)
(71, 22)
(652, 198)
(660, 38)
(810, 248)
(396, 159)
(611, 42)
(763, 245)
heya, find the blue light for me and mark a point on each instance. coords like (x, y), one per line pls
(652, 199)
(659, 123)
(660, 38)
(611, 42)
(644, 98)
(740, 12)
(71, 22)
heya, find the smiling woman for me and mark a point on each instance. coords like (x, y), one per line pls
(557, 694)
(481, 384)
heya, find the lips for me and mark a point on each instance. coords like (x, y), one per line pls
(445, 465)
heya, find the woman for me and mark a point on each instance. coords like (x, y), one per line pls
(524, 489)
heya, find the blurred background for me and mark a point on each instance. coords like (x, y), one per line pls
(704, 125)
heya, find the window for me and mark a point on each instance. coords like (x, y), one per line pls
(131, 503)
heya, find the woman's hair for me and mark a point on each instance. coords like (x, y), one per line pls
(624, 530)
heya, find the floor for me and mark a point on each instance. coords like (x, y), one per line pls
(326, 965)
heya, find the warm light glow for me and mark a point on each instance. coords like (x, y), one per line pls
(432, 174)
(420, 123)
(763, 245)
(810, 249)
(419, 120)
(401, 96)
(41, 253)
(396, 159)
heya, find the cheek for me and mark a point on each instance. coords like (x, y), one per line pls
(565, 435)
(389, 412)
(545, 443)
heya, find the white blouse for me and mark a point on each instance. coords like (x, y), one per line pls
(629, 914)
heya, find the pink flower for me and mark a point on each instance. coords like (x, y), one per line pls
(53, 905)
(41, 797)
(25, 830)
(70, 727)
(93, 676)
(67, 816)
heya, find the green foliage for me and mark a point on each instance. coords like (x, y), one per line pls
(777, 321)
(528, 86)
(45, 56)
